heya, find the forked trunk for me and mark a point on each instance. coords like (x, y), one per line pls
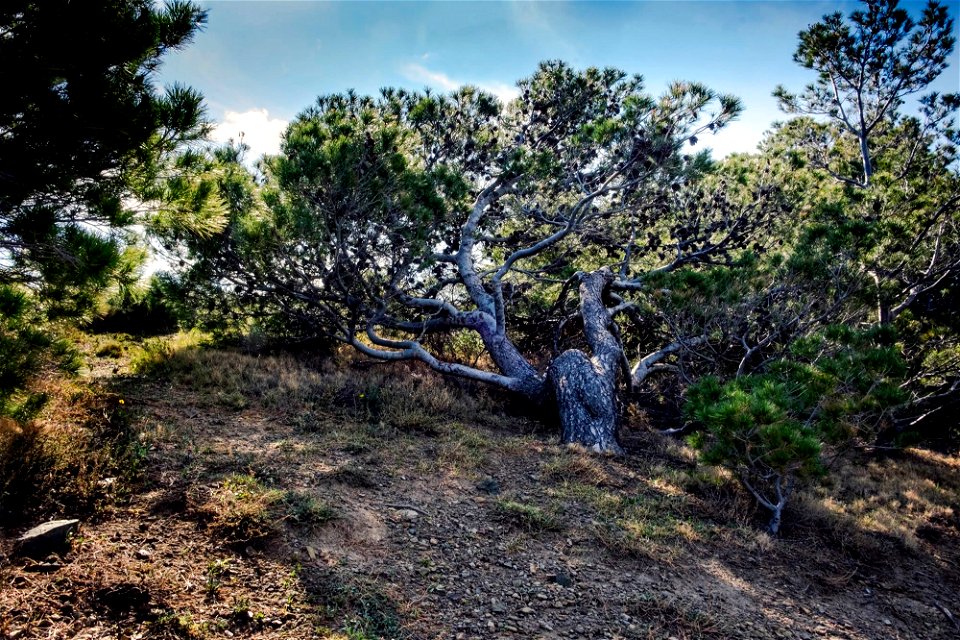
(585, 386)
(586, 402)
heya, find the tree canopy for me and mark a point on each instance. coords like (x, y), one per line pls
(82, 126)
(83, 133)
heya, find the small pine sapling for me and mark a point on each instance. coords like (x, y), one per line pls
(770, 429)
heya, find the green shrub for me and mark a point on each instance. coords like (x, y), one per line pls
(770, 429)
(27, 348)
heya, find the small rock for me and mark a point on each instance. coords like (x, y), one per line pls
(44, 539)
(490, 486)
(527, 610)
(887, 621)
(563, 579)
(311, 552)
(408, 514)
(497, 607)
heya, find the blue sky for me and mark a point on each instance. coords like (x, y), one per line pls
(260, 62)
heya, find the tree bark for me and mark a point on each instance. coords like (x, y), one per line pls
(585, 386)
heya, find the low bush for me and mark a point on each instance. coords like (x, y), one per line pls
(771, 429)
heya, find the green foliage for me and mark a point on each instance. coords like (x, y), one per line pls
(149, 310)
(866, 66)
(85, 128)
(771, 428)
(350, 217)
(754, 421)
(880, 190)
(26, 349)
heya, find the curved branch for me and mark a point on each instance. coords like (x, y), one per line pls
(646, 365)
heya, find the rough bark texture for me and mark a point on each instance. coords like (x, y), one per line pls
(586, 402)
(585, 386)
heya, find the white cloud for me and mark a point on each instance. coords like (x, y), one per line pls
(419, 73)
(255, 127)
(506, 92)
(439, 80)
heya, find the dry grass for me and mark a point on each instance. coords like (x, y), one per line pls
(241, 510)
(873, 507)
(577, 464)
(273, 448)
(81, 453)
(662, 613)
(398, 400)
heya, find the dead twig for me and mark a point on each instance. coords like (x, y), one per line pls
(949, 615)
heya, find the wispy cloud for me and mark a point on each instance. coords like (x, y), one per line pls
(255, 127)
(442, 81)
(419, 73)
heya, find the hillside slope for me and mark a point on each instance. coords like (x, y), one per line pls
(280, 498)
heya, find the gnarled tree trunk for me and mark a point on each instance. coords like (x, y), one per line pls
(585, 386)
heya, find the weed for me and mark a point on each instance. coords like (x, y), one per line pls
(217, 570)
(463, 448)
(374, 615)
(162, 356)
(578, 465)
(240, 610)
(356, 605)
(110, 349)
(242, 510)
(178, 625)
(307, 510)
(289, 585)
(530, 517)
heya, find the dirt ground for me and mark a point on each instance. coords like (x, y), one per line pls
(264, 511)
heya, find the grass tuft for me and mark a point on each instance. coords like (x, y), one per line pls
(241, 510)
(79, 455)
(531, 517)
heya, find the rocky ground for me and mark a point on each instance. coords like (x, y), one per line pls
(286, 506)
